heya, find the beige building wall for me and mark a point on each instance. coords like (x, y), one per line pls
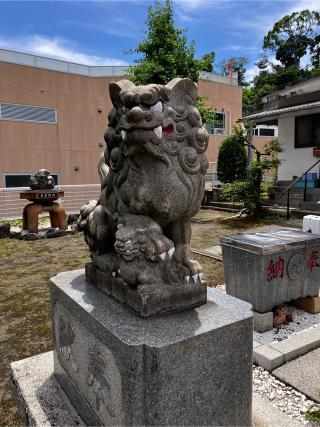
(74, 140)
(225, 98)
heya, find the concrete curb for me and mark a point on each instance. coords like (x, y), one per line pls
(276, 354)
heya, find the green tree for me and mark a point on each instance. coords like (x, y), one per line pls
(232, 158)
(315, 52)
(292, 36)
(165, 52)
(206, 62)
(249, 191)
(238, 65)
(205, 110)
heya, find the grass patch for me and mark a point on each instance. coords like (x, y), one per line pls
(248, 221)
(312, 416)
(18, 222)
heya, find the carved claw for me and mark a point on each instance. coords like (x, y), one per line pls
(187, 279)
(200, 276)
(114, 274)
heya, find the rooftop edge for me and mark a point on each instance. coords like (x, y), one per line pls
(29, 60)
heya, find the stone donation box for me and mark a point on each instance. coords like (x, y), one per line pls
(268, 269)
(139, 339)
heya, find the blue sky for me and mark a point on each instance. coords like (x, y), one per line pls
(97, 33)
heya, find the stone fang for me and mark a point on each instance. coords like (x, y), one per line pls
(158, 131)
(171, 251)
(158, 107)
(195, 277)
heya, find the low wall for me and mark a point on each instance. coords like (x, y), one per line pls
(75, 196)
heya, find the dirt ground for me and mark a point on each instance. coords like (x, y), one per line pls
(25, 269)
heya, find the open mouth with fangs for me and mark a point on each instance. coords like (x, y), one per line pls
(159, 131)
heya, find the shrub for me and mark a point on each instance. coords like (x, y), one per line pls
(232, 158)
(249, 191)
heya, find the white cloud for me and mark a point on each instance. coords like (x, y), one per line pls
(238, 48)
(184, 17)
(264, 23)
(191, 4)
(304, 4)
(119, 27)
(57, 48)
(251, 73)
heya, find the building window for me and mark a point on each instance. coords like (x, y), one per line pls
(218, 125)
(264, 132)
(22, 179)
(307, 131)
(28, 113)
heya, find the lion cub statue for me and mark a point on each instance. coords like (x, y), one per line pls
(152, 181)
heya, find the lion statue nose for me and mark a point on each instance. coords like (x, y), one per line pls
(136, 114)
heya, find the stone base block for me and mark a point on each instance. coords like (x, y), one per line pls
(150, 301)
(185, 369)
(48, 405)
(262, 322)
(40, 398)
(309, 304)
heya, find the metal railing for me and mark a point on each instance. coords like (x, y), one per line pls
(75, 196)
(293, 183)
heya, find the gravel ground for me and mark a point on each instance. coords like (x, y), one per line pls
(301, 322)
(288, 400)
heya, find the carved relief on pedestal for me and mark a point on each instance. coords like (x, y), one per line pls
(103, 377)
(66, 338)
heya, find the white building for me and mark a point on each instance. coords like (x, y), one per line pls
(296, 110)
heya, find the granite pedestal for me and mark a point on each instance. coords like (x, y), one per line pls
(188, 368)
(191, 368)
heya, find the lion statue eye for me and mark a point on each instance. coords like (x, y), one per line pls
(142, 238)
(158, 107)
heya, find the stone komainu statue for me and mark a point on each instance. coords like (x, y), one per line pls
(41, 180)
(152, 180)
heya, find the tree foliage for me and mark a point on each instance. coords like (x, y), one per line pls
(205, 110)
(249, 191)
(232, 158)
(165, 52)
(292, 36)
(238, 65)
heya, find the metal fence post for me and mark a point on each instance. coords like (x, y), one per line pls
(305, 189)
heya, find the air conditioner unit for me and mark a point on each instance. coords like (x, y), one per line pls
(218, 131)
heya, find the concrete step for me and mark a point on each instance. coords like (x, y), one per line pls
(229, 205)
(303, 374)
